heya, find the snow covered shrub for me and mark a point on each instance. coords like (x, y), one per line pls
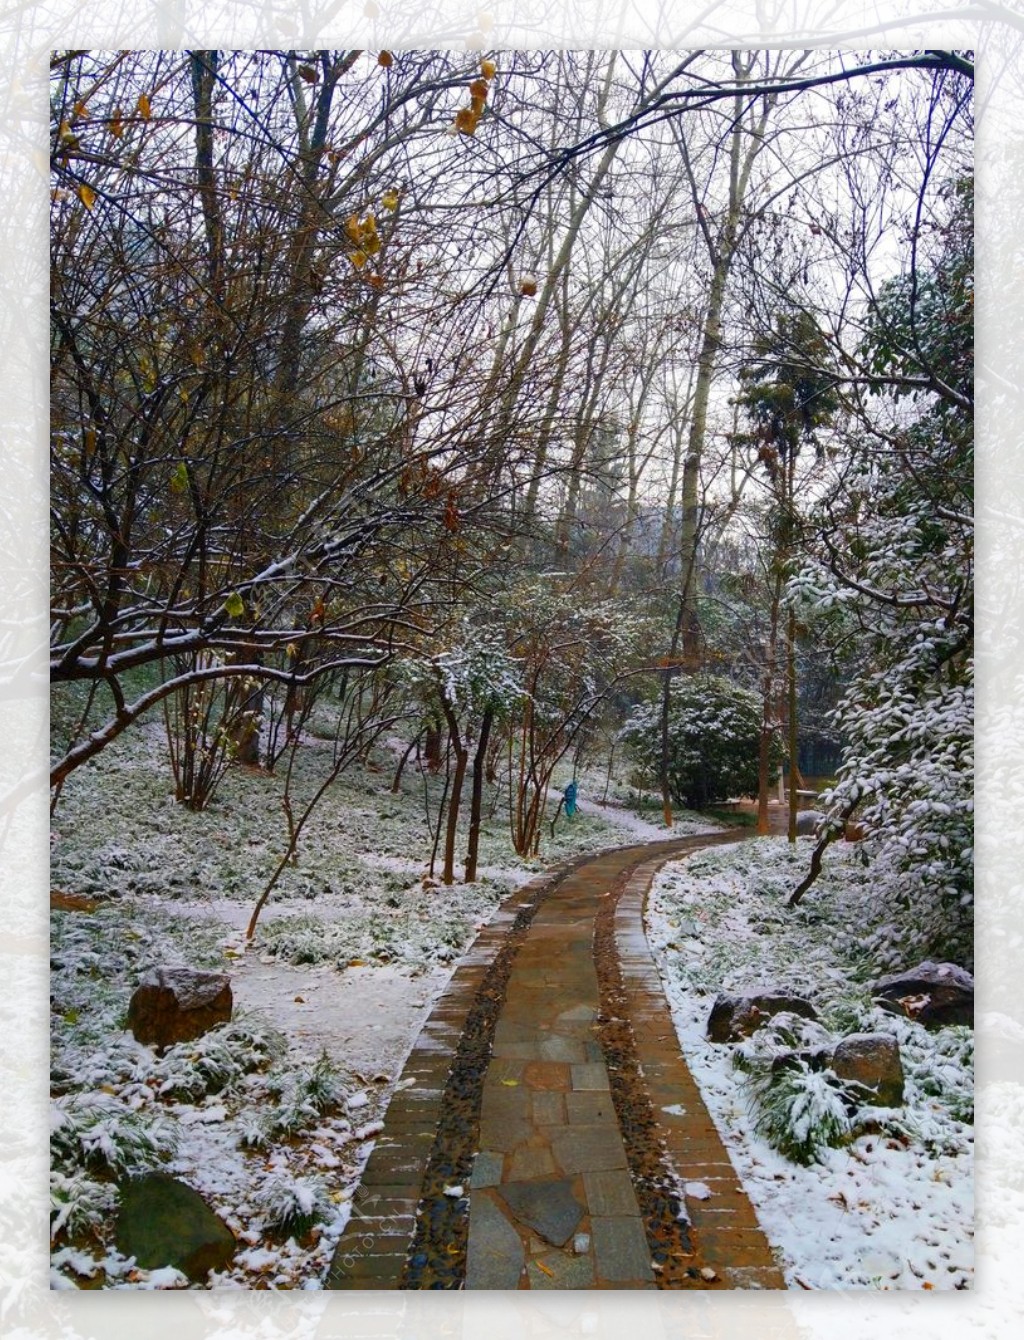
(301, 940)
(292, 1205)
(218, 1059)
(940, 1065)
(714, 730)
(782, 1035)
(97, 1130)
(306, 1096)
(78, 1203)
(798, 1110)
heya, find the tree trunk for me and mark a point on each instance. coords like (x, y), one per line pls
(477, 795)
(396, 785)
(663, 777)
(722, 250)
(767, 695)
(794, 769)
(455, 796)
(432, 745)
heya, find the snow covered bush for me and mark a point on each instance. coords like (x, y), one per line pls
(714, 731)
(783, 1034)
(78, 1203)
(800, 1106)
(305, 1096)
(98, 1130)
(798, 1110)
(217, 1060)
(292, 1205)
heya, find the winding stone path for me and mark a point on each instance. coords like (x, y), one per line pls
(545, 1126)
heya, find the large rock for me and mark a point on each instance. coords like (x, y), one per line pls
(163, 1222)
(872, 1060)
(177, 1004)
(734, 1017)
(931, 993)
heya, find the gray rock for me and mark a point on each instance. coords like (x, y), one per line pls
(163, 1222)
(931, 993)
(549, 1208)
(734, 1017)
(177, 1004)
(873, 1060)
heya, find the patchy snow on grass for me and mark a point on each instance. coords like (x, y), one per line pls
(892, 1207)
(271, 1117)
(636, 815)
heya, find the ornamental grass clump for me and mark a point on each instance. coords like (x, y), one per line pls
(98, 1131)
(79, 1203)
(798, 1110)
(218, 1060)
(304, 1098)
(292, 1205)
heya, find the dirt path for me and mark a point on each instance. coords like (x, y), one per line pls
(546, 1132)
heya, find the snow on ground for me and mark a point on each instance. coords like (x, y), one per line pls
(892, 1209)
(276, 1113)
(636, 828)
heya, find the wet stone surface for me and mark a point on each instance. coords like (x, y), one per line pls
(495, 1254)
(487, 1168)
(548, 1207)
(555, 1270)
(621, 1247)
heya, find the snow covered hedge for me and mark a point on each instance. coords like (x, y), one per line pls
(714, 730)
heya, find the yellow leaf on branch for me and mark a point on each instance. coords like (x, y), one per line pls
(87, 195)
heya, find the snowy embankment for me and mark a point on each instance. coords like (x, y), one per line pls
(272, 1117)
(892, 1208)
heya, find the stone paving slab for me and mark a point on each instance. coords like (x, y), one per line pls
(548, 1206)
(621, 1249)
(495, 1254)
(610, 1192)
